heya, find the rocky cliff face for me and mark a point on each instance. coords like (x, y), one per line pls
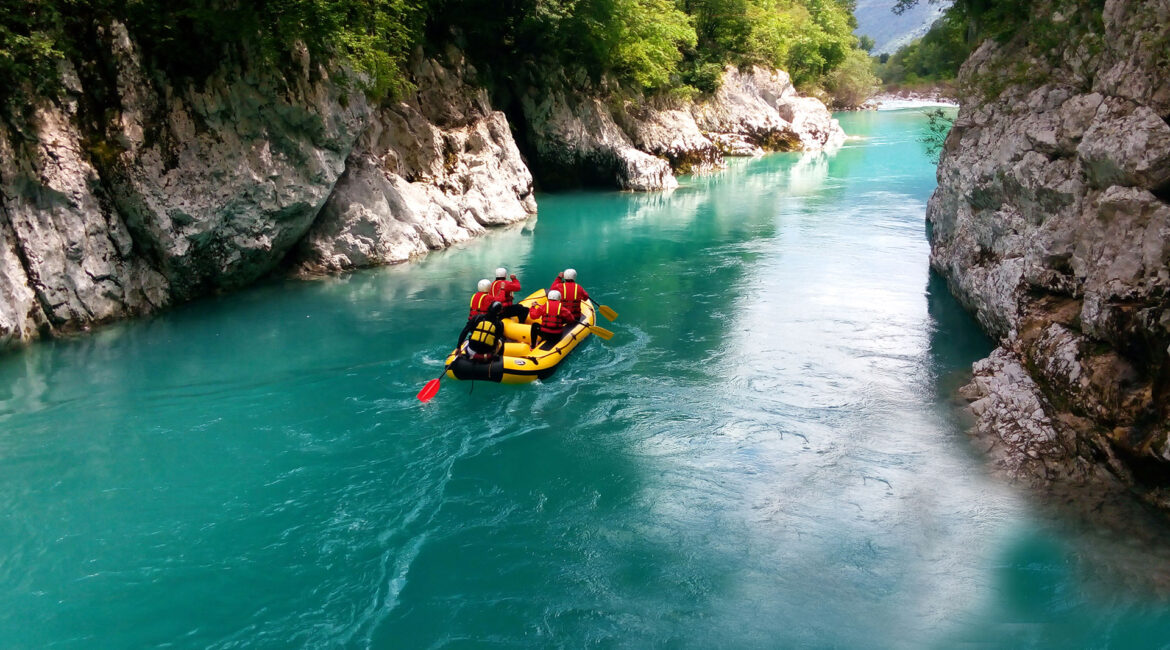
(427, 172)
(159, 193)
(130, 191)
(164, 192)
(1052, 224)
(637, 143)
(759, 110)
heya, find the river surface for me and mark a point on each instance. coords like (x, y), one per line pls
(764, 456)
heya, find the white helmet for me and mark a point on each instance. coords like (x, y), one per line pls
(570, 275)
(554, 295)
(501, 272)
(485, 284)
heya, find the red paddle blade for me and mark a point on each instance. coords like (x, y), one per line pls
(428, 391)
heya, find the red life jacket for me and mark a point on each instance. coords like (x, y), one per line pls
(572, 294)
(480, 303)
(552, 320)
(502, 294)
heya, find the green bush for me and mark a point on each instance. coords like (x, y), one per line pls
(852, 83)
(31, 35)
(934, 57)
(938, 126)
(808, 38)
(639, 40)
(191, 38)
(703, 76)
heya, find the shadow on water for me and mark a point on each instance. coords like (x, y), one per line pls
(1057, 581)
(956, 340)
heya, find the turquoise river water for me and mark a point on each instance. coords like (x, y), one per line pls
(764, 456)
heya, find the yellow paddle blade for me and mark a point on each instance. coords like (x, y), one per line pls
(607, 312)
(601, 331)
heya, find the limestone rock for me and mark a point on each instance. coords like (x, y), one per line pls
(234, 172)
(670, 132)
(428, 172)
(132, 191)
(1051, 222)
(634, 142)
(576, 135)
(1014, 425)
(66, 258)
(733, 144)
(764, 107)
(1126, 144)
(20, 313)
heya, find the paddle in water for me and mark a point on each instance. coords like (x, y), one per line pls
(428, 392)
(607, 312)
(601, 331)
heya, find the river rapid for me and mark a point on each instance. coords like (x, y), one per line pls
(765, 455)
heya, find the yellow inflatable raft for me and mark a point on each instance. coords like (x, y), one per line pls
(520, 363)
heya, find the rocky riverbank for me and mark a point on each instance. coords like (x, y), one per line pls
(910, 99)
(637, 143)
(1051, 224)
(128, 191)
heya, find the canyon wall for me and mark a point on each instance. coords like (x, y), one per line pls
(128, 191)
(637, 143)
(1051, 223)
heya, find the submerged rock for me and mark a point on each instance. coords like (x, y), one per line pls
(1051, 223)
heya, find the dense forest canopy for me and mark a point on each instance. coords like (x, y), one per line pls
(657, 45)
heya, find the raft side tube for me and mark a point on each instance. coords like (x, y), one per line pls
(521, 364)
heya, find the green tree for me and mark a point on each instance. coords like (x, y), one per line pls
(938, 126)
(808, 38)
(853, 82)
(934, 57)
(639, 40)
(193, 37)
(656, 45)
(374, 37)
(983, 18)
(825, 40)
(31, 34)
